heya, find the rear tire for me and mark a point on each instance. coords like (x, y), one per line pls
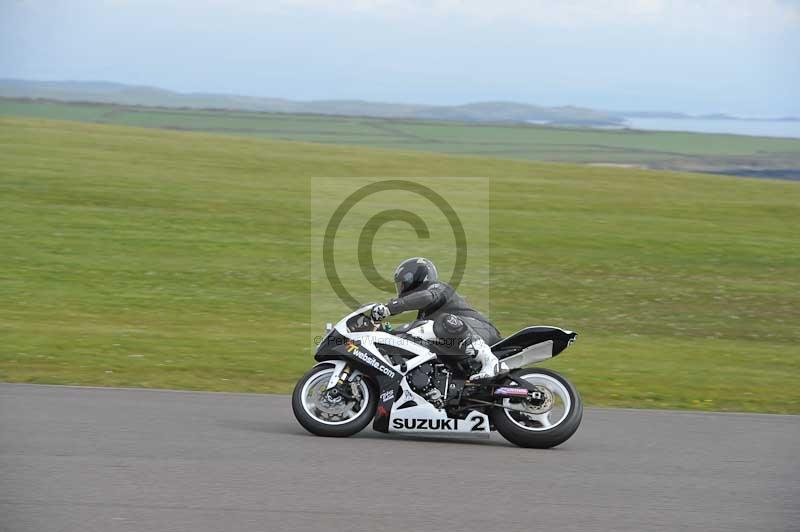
(538, 435)
(337, 429)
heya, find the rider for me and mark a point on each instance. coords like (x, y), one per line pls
(449, 318)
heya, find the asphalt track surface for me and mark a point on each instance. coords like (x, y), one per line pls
(85, 459)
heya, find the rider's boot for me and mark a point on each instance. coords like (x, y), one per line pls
(480, 350)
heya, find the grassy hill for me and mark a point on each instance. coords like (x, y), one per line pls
(143, 257)
(660, 150)
(122, 94)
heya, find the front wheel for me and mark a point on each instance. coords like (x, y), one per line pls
(546, 423)
(326, 412)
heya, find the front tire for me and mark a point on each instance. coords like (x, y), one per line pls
(539, 426)
(318, 416)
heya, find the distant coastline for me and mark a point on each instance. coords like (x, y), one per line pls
(783, 128)
(102, 92)
(777, 128)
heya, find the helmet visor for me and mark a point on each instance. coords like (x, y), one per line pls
(404, 282)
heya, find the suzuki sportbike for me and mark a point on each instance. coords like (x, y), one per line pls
(367, 372)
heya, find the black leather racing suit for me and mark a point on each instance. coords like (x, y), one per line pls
(452, 317)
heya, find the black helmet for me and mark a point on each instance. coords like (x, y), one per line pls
(414, 273)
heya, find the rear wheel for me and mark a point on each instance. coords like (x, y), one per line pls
(327, 412)
(545, 423)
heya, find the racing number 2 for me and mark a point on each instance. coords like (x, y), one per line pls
(478, 424)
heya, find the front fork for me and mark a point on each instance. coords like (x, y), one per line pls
(338, 383)
(341, 372)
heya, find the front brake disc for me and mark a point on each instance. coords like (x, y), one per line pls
(332, 406)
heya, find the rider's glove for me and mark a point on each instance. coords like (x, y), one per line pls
(380, 312)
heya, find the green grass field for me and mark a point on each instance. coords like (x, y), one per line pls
(142, 257)
(663, 150)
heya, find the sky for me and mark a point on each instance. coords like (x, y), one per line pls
(698, 56)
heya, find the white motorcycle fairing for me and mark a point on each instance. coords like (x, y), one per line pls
(409, 412)
(425, 418)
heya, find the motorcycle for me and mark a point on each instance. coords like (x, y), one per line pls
(368, 372)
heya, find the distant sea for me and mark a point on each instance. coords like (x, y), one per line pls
(764, 128)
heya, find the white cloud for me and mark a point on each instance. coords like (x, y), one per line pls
(693, 13)
(676, 14)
